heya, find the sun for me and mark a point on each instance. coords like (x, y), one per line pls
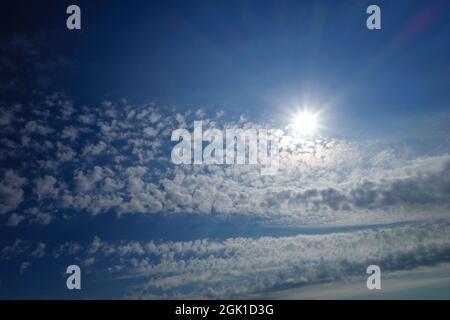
(304, 123)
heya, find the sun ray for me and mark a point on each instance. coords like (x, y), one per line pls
(304, 123)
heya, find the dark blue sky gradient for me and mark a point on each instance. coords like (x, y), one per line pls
(255, 55)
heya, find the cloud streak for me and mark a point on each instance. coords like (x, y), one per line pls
(116, 159)
(243, 267)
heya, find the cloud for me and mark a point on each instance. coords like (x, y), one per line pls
(39, 217)
(45, 187)
(115, 158)
(70, 133)
(39, 251)
(150, 132)
(11, 192)
(25, 69)
(240, 267)
(24, 266)
(95, 149)
(243, 267)
(14, 220)
(34, 127)
(85, 182)
(14, 250)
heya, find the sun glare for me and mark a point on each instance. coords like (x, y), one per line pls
(304, 123)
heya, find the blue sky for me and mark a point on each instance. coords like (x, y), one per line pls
(86, 118)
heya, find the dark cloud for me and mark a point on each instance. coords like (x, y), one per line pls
(27, 68)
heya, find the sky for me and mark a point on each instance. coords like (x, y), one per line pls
(86, 176)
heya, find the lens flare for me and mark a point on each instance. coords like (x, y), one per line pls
(304, 123)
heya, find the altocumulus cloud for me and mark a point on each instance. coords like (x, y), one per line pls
(115, 158)
(245, 267)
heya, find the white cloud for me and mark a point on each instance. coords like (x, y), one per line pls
(39, 217)
(14, 220)
(39, 251)
(85, 182)
(241, 267)
(45, 187)
(11, 192)
(18, 248)
(95, 149)
(150, 132)
(24, 266)
(34, 127)
(321, 180)
(70, 133)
